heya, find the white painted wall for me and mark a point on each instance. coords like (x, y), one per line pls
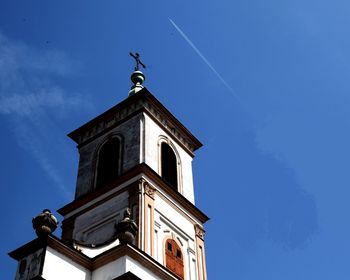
(152, 151)
(121, 266)
(58, 267)
(110, 270)
(170, 223)
(139, 270)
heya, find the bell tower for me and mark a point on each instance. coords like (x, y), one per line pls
(134, 212)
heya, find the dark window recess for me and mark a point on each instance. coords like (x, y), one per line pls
(173, 258)
(170, 248)
(178, 254)
(22, 267)
(108, 162)
(169, 165)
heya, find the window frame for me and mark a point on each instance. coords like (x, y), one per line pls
(163, 139)
(108, 138)
(175, 248)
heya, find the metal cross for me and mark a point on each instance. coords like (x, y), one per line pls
(138, 61)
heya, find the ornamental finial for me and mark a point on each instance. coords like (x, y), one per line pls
(45, 223)
(126, 228)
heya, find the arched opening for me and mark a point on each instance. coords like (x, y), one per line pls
(108, 165)
(168, 165)
(174, 258)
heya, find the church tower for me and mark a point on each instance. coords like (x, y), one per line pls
(134, 213)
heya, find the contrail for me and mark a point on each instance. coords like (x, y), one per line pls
(203, 58)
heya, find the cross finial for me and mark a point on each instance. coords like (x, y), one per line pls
(136, 56)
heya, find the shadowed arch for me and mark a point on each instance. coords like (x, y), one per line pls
(169, 165)
(108, 161)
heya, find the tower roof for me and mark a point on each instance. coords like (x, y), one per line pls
(145, 102)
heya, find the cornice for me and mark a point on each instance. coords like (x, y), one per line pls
(138, 255)
(27, 249)
(98, 261)
(73, 254)
(55, 243)
(143, 101)
(133, 173)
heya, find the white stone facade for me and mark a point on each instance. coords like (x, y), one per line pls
(57, 266)
(154, 135)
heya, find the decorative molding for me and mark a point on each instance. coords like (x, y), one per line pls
(178, 239)
(138, 255)
(141, 181)
(109, 121)
(149, 190)
(158, 225)
(28, 249)
(70, 252)
(94, 263)
(149, 219)
(84, 236)
(199, 231)
(191, 251)
(144, 102)
(134, 172)
(202, 271)
(176, 230)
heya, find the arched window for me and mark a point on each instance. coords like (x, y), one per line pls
(168, 165)
(174, 258)
(108, 165)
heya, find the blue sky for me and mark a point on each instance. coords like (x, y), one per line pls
(263, 84)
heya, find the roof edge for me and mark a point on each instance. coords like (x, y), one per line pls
(142, 94)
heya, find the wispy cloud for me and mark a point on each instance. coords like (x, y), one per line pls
(29, 137)
(187, 39)
(31, 98)
(26, 105)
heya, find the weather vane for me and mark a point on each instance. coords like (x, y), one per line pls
(138, 61)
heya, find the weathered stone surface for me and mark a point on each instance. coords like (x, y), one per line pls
(97, 226)
(129, 132)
